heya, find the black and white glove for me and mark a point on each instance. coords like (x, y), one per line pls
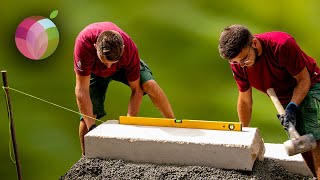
(289, 116)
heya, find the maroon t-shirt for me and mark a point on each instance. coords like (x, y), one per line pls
(281, 59)
(86, 60)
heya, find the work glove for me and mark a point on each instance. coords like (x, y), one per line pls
(92, 127)
(289, 116)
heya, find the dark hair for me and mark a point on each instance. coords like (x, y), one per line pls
(233, 39)
(110, 45)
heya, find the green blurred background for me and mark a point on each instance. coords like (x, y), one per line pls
(178, 39)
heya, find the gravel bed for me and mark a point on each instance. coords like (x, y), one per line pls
(119, 169)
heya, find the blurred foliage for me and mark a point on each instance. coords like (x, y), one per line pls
(178, 39)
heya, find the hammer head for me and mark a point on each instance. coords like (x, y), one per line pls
(299, 145)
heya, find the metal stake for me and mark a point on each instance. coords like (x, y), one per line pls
(12, 129)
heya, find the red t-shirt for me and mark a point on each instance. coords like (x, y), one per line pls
(86, 60)
(281, 59)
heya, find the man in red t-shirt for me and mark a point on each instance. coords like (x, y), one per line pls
(103, 52)
(274, 60)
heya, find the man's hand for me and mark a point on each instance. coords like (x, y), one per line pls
(289, 116)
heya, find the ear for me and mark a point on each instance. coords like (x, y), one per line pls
(95, 45)
(254, 42)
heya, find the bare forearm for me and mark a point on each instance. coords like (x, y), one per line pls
(245, 107)
(244, 113)
(134, 103)
(85, 106)
(300, 91)
(302, 87)
(162, 103)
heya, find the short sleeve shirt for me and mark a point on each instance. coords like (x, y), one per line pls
(86, 60)
(281, 59)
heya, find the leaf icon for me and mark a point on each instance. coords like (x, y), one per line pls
(54, 14)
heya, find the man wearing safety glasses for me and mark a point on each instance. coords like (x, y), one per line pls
(274, 60)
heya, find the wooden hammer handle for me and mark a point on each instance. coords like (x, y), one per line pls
(275, 101)
(291, 130)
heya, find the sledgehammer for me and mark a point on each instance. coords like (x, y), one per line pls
(296, 143)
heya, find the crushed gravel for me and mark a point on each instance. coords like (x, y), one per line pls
(119, 169)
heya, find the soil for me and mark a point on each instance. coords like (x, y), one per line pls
(119, 169)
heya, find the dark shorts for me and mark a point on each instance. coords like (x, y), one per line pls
(99, 86)
(308, 117)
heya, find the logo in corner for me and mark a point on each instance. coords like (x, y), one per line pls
(37, 37)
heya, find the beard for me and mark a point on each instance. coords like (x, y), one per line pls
(252, 62)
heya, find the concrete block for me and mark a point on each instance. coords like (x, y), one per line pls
(294, 164)
(181, 146)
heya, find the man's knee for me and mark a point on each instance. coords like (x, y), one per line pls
(150, 87)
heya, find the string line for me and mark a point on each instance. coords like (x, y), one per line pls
(59, 106)
(9, 115)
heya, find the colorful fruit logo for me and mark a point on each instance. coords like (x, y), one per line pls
(37, 37)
